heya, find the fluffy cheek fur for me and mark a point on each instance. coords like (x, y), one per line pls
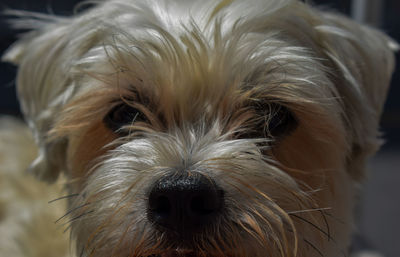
(315, 156)
(85, 147)
(294, 200)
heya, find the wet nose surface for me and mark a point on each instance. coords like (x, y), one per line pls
(185, 203)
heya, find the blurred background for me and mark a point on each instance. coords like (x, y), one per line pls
(379, 212)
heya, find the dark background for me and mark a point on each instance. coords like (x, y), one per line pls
(379, 212)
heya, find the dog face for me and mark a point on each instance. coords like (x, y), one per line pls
(205, 128)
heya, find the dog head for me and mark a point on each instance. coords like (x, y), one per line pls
(202, 128)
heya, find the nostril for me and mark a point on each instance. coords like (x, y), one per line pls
(160, 205)
(206, 203)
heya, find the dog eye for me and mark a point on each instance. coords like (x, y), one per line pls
(279, 121)
(122, 115)
(271, 120)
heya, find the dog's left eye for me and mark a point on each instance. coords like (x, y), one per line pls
(271, 120)
(279, 121)
(122, 115)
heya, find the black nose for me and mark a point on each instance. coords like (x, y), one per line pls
(185, 203)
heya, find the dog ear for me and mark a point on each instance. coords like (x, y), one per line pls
(362, 62)
(42, 86)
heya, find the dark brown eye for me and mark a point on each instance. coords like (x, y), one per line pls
(271, 120)
(279, 121)
(121, 115)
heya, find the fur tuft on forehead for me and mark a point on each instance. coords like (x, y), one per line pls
(203, 68)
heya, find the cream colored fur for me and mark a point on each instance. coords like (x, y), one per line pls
(195, 69)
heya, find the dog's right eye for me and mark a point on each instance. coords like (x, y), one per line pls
(122, 115)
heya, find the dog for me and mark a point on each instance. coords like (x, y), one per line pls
(203, 128)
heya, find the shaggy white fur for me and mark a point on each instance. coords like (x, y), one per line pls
(200, 87)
